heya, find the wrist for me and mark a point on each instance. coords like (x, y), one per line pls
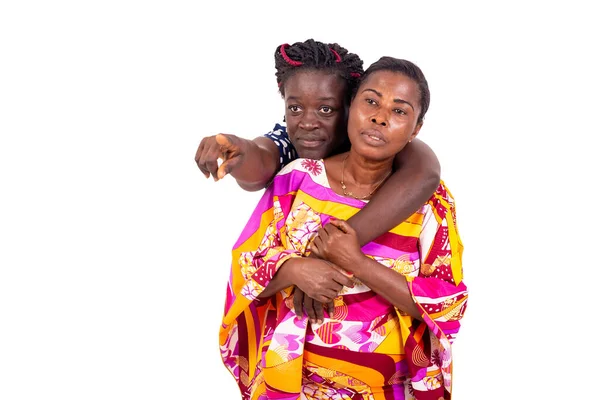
(287, 270)
(354, 262)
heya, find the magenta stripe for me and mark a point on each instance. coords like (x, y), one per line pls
(367, 306)
(265, 203)
(431, 287)
(282, 184)
(375, 249)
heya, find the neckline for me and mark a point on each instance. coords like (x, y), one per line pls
(327, 185)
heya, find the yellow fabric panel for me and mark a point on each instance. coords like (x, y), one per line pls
(405, 323)
(287, 376)
(239, 305)
(393, 342)
(252, 342)
(254, 240)
(342, 211)
(456, 245)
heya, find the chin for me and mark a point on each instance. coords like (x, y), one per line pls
(313, 154)
(373, 154)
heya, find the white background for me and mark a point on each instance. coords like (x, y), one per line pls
(114, 249)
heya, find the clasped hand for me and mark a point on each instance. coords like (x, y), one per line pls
(319, 281)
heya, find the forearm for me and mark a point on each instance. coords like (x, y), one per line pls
(416, 178)
(389, 284)
(281, 280)
(259, 165)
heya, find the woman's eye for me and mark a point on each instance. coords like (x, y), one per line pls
(326, 110)
(371, 101)
(294, 108)
(399, 111)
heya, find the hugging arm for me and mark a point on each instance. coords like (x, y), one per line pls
(416, 177)
(435, 292)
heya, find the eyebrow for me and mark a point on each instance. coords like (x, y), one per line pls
(320, 98)
(395, 100)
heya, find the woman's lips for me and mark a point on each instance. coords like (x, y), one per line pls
(310, 143)
(373, 137)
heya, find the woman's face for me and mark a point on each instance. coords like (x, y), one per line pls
(314, 112)
(383, 115)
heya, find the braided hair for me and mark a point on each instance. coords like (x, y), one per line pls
(313, 55)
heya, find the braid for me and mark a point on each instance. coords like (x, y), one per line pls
(313, 55)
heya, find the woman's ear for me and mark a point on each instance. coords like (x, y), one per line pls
(416, 131)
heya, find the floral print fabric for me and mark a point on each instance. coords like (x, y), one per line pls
(367, 349)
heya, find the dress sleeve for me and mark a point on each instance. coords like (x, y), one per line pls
(438, 289)
(287, 152)
(258, 267)
(440, 294)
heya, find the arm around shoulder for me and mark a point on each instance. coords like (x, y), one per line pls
(416, 178)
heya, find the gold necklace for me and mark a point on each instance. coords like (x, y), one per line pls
(350, 194)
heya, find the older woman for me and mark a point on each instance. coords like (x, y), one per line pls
(399, 299)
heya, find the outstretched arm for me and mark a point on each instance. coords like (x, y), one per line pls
(416, 178)
(258, 166)
(252, 163)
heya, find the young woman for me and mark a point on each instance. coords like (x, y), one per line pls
(316, 81)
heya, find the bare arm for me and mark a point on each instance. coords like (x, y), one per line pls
(388, 283)
(252, 163)
(338, 241)
(258, 166)
(416, 178)
(316, 277)
(280, 281)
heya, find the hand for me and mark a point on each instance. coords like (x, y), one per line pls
(318, 279)
(313, 308)
(230, 148)
(337, 242)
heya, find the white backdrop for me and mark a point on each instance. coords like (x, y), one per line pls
(115, 249)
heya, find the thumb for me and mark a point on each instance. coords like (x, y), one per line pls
(341, 225)
(227, 166)
(344, 277)
(227, 142)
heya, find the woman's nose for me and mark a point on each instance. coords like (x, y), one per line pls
(308, 123)
(378, 121)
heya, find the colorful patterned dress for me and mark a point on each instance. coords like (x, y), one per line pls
(367, 349)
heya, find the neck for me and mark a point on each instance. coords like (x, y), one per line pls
(363, 172)
(362, 177)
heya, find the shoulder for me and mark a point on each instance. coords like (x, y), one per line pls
(279, 130)
(305, 165)
(441, 202)
(302, 173)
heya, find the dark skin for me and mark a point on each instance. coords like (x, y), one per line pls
(383, 119)
(339, 241)
(315, 116)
